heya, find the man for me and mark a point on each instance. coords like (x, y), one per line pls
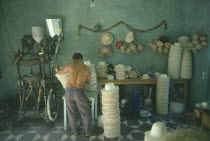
(79, 75)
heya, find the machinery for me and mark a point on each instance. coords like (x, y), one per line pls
(35, 73)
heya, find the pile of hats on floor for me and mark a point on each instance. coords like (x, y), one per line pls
(174, 60)
(110, 111)
(120, 71)
(93, 83)
(159, 133)
(102, 70)
(162, 95)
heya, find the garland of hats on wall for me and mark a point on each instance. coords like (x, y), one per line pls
(130, 47)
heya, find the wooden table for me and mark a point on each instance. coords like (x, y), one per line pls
(202, 115)
(146, 81)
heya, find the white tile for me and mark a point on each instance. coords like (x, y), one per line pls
(18, 137)
(9, 137)
(64, 137)
(36, 137)
(73, 137)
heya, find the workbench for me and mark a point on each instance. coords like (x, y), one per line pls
(184, 82)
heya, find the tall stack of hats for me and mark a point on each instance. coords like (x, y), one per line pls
(105, 50)
(186, 63)
(110, 110)
(158, 130)
(120, 71)
(102, 70)
(174, 60)
(93, 82)
(162, 94)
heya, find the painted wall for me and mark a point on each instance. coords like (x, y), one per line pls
(183, 17)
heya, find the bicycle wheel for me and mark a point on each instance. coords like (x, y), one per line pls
(53, 104)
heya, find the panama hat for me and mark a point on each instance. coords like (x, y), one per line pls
(158, 129)
(129, 37)
(105, 51)
(106, 38)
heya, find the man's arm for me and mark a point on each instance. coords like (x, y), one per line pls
(63, 70)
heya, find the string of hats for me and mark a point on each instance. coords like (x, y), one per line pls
(164, 22)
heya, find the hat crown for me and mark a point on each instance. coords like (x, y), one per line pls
(130, 34)
(102, 63)
(158, 129)
(106, 38)
(109, 87)
(177, 44)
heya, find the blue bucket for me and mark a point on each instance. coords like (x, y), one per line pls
(136, 101)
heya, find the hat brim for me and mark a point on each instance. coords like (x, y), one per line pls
(105, 54)
(106, 42)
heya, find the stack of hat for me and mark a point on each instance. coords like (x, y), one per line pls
(184, 41)
(102, 70)
(186, 65)
(162, 94)
(177, 106)
(105, 50)
(93, 82)
(110, 110)
(63, 78)
(158, 130)
(120, 71)
(174, 60)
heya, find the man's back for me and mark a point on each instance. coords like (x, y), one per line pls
(79, 75)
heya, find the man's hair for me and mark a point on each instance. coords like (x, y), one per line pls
(77, 56)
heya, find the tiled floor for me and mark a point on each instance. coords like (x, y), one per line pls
(132, 128)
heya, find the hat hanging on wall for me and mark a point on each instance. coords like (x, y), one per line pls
(129, 37)
(106, 38)
(105, 51)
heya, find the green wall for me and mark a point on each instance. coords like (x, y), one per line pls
(183, 17)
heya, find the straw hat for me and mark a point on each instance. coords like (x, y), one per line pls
(109, 87)
(105, 51)
(129, 37)
(158, 129)
(106, 38)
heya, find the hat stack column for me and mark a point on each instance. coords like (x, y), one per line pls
(174, 60)
(110, 110)
(162, 95)
(120, 71)
(93, 82)
(186, 63)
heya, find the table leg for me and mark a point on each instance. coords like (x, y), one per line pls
(185, 93)
(64, 114)
(96, 107)
(92, 112)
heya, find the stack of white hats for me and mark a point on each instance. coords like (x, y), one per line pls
(93, 83)
(186, 64)
(158, 129)
(184, 41)
(162, 94)
(174, 60)
(102, 70)
(63, 78)
(110, 111)
(120, 71)
(177, 107)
